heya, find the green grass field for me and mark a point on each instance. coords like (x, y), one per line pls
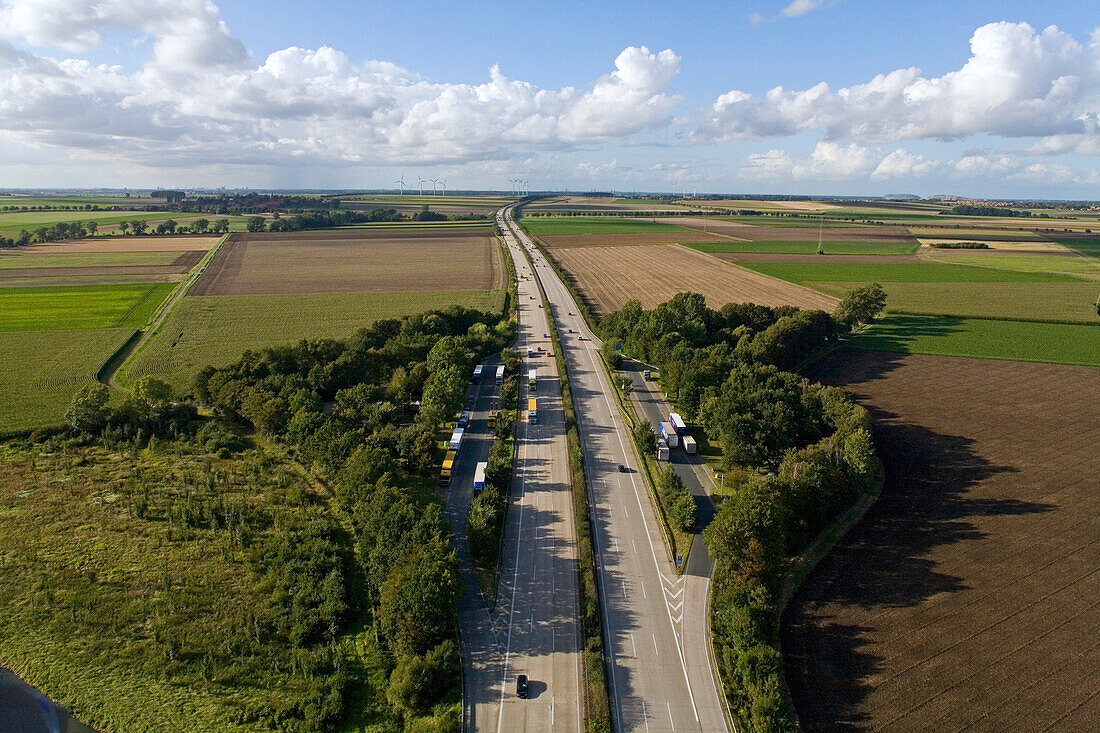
(807, 248)
(216, 329)
(1054, 343)
(1084, 266)
(13, 221)
(40, 371)
(80, 306)
(1070, 302)
(798, 272)
(552, 225)
(17, 260)
(1088, 246)
(990, 235)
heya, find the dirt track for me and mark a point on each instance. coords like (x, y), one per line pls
(609, 276)
(968, 596)
(352, 262)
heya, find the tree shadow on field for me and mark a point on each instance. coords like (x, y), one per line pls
(830, 626)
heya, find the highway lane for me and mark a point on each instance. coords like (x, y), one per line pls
(533, 628)
(655, 621)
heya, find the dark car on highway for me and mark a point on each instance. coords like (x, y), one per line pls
(521, 687)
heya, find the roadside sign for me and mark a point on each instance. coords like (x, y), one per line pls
(679, 559)
(618, 347)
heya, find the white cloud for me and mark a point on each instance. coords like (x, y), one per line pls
(755, 18)
(903, 164)
(801, 7)
(200, 97)
(1017, 82)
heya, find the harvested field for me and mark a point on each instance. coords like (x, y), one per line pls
(40, 371)
(125, 244)
(216, 330)
(579, 225)
(562, 241)
(52, 281)
(353, 262)
(178, 265)
(967, 596)
(1032, 246)
(805, 248)
(607, 277)
(21, 259)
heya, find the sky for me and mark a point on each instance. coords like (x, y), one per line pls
(815, 97)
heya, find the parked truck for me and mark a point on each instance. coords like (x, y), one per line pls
(662, 450)
(448, 468)
(668, 434)
(689, 444)
(500, 375)
(678, 423)
(456, 439)
(479, 477)
(477, 374)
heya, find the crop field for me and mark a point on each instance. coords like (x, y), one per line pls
(967, 596)
(988, 338)
(805, 247)
(11, 222)
(215, 330)
(1052, 262)
(80, 307)
(36, 260)
(865, 272)
(552, 225)
(1089, 246)
(356, 262)
(607, 277)
(123, 244)
(846, 234)
(40, 371)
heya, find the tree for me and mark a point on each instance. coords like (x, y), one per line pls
(645, 437)
(92, 228)
(199, 226)
(418, 606)
(88, 412)
(221, 226)
(256, 224)
(861, 305)
(124, 227)
(611, 355)
(139, 226)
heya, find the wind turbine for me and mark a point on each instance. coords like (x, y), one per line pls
(401, 184)
(420, 182)
(513, 182)
(443, 185)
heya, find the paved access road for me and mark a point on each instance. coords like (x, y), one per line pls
(660, 676)
(533, 628)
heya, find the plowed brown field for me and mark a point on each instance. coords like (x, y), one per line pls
(754, 233)
(969, 596)
(353, 262)
(607, 277)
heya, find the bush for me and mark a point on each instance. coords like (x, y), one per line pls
(88, 412)
(861, 305)
(218, 438)
(681, 511)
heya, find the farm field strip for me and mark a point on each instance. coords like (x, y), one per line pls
(1088, 246)
(299, 263)
(123, 244)
(909, 272)
(40, 371)
(964, 595)
(1053, 262)
(610, 276)
(23, 259)
(217, 329)
(1033, 341)
(805, 247)
(80, 307)
(559, 225)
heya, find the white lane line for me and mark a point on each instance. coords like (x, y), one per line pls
(624, 587)
(657, 651)
(670, 720)
(642, 583)
(633, 647)
(645, 717)
(634, 546)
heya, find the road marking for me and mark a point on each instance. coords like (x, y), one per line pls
(670, 720)
(624, 586)
(645, 717)
(642, 583)
(655, 649)
(633, 545)
(633, 647)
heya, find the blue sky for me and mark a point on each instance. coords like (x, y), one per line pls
(630, 96)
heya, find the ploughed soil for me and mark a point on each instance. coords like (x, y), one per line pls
(607, 277)
(969, 595)
(755, 233)
(353, 261)
(179, 266)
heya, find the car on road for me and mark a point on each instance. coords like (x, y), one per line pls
(521, 687)
(623, 469)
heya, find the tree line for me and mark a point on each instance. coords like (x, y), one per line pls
(364, 415)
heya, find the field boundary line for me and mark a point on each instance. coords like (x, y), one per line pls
(107, 371)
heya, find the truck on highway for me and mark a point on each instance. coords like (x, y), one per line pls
(500, 375)
(476, 379)
(668, 434)
(479, 477)
(662, 450)
(532, 411)
(678, 423)
(448, 468)
(532, 380)
(455, 442)
(689, 444)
